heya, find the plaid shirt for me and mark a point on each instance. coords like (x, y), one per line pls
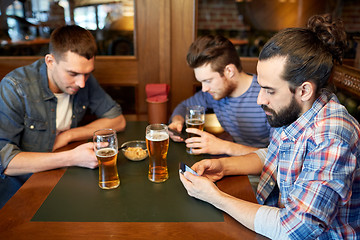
(312, 173)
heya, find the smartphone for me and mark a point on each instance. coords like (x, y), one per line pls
(184, 168)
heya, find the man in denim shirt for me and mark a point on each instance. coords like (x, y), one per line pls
(41, 106)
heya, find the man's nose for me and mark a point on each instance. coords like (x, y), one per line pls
(261, 99)
(205, 88)
(80, 81)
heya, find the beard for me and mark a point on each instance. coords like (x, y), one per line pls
(226, 91)
(286, 116)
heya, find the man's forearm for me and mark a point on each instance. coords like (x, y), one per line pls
(32, 162)
(242, 211)
(85, 132)
(242, 165)
(236, 149)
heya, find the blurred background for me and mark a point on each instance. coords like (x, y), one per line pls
(27, 24)
(162, 30)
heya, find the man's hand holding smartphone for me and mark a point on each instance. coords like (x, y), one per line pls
(185, 168)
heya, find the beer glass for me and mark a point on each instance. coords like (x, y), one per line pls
(194, 118)
(106, 150)
(157, 143)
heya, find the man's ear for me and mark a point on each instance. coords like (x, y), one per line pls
(306, 91)
(229, 70)
(49, 60)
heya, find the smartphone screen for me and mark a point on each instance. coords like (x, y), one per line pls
(184, 168)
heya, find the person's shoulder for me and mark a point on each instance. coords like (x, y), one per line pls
(25, 73)
(201, 94)
(254, 87)
(335, 120)
(254, 83)
(26, 79)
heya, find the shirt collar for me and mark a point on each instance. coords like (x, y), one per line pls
(294, 130)
(46, 92)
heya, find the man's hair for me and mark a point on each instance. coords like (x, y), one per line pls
(310, 52)
(72, 38)
(216, 50)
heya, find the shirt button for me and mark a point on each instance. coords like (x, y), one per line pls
(32, 127)
(261, 200)
(271, 183)
(73, 116)
(84, 107)
(52, 110)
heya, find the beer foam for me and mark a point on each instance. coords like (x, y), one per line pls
(106, 152)
(194, 121)
(157, 136)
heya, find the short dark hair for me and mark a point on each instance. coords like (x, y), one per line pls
(72, 38)
(310, 52)
(216, 50)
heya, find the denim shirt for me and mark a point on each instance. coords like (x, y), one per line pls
(28, 110)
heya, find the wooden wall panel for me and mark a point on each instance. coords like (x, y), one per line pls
(116, 70)
(249, 64)
(183, 22)
(8, 64)
(147, 16)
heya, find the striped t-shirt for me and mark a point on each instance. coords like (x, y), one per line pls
(241, 116)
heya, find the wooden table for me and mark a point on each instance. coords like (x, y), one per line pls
(16, 215)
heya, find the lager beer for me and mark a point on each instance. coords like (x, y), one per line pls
(157, 142)
(194, 118)
(106, 150)
(194, 123)
(108, 174)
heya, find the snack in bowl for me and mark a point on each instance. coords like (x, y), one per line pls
(135, 150)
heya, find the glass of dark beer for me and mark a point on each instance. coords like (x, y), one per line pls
(194, 118)
(106, 150)
(157, 143)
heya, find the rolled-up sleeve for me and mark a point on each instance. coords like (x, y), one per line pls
(261, 154)
(113, 112)
(267, 223)
(7, 153)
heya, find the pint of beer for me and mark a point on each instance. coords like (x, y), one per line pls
(157, 142)
(106, 150)
(194, 118)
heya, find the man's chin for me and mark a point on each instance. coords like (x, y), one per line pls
(72, 91)
(217, 97)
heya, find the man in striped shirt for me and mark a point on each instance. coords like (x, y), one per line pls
(310, 173)
(230, 92)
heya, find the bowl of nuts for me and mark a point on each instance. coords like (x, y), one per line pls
(134, 150)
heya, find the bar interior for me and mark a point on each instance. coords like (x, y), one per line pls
(141, 49)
